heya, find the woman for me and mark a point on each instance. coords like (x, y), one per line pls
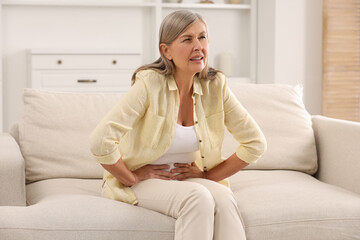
(161, 144)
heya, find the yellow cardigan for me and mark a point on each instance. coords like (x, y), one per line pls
(140, 127)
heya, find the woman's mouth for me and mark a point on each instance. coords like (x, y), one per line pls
(196, 59)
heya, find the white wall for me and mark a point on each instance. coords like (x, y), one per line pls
(1, 77)
(290, 46)
(28, 27)
(266, 41)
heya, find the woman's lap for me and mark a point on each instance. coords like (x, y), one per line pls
(168, 197)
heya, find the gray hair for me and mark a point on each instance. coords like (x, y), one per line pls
(171, 28)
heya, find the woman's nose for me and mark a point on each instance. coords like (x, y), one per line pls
(198, 45)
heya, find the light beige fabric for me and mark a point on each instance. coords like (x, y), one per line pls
(54, 133)
(71, 209)
(12, 175)
(283, 205)
(275, 205)
(338, 144)
(53, 188)
(280, 113)
(14, 132)
(196, 204)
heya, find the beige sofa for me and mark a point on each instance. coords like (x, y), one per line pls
(306, 186)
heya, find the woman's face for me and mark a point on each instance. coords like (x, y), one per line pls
(189, 51)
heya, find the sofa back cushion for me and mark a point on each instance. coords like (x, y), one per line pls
(54, 133)
(287, 126)
(55, 129)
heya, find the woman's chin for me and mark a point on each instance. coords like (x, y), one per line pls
(199, 69)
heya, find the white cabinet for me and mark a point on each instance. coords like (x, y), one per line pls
(85, 70)
(232, 27)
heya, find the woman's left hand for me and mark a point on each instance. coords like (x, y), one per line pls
(184, 170)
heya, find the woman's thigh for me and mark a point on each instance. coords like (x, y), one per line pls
(217, 190)
(169, 197)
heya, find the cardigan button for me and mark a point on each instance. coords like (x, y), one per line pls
(196, 122)
(200, 140)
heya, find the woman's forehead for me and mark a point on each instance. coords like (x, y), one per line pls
(195, 28)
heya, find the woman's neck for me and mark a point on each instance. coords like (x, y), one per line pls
(184, 83)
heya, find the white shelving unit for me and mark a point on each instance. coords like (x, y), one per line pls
(79, 3)
(113, 24)
(239, 39)
(206, 6)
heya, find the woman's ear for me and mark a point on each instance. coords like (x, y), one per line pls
(164, 49)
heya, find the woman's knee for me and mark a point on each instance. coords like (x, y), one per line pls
(201, 199)
(223, 196)
(225, 199)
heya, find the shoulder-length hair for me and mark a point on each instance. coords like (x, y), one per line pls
(171, 28)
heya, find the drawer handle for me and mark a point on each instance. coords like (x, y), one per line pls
(87, 81)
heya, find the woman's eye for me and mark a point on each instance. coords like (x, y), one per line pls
(186, 39)
(203, 37)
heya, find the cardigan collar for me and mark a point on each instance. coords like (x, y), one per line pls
(173, 87)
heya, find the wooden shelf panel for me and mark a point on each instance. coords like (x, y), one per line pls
(114, 3)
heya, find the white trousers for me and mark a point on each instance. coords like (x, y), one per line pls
(203, 209)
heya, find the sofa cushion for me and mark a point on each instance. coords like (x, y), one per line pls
(54, 133)
(277, 205)
(287, 126)
(292, 205)
(55, 128)
(73, 209)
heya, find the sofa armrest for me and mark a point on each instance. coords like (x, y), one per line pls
(338, 147)
(12, 173)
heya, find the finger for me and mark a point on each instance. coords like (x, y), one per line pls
(163, 173)
(181, 176)
(181, 165)
(179, 170)
(159, 167)
(164, 178)
(160, 176)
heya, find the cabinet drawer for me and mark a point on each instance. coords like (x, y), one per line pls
(85, 61)
(115, 81)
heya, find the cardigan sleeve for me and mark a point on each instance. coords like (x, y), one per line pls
(243, 128)
(105, 138)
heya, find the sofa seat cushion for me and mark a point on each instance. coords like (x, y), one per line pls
(38, 192)
(73, 209)
(293, 205)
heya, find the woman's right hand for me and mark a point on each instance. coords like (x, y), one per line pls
(152, 171)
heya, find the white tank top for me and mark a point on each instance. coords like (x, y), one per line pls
(183, 149)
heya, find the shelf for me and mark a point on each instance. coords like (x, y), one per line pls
(78, 3)
(115, 3)
(206, 6)
(110, 51)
